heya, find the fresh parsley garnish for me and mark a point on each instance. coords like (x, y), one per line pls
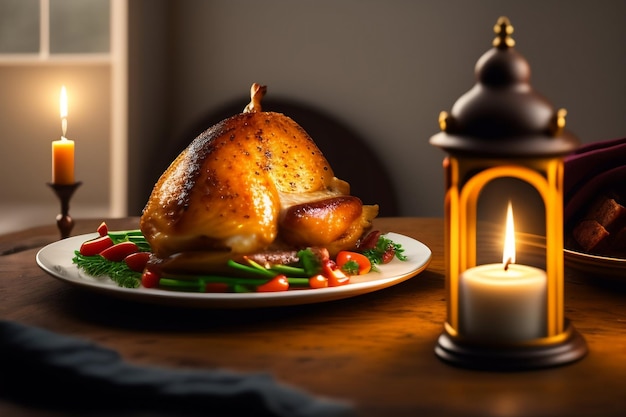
(384, 250)
(98, 266)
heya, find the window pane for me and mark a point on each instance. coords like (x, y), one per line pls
(79, 26)
(19, 26)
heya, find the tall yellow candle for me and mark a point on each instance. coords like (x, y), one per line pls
(63, 150)
(63, 161)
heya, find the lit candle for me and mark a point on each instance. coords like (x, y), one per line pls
(63, 150)
(503, 302)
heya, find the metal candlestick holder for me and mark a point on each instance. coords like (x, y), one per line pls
(64, 192)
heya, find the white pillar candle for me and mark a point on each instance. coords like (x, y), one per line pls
(503, 302)
(502, 305)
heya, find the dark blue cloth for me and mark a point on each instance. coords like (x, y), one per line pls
(46, 369)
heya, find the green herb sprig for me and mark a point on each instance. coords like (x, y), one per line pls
(384, 246)
(97, 266)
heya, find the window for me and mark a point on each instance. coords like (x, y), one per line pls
(54, 27)
(79, 26)
(19, 26)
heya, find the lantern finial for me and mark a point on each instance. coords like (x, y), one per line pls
(503, 30)
(557, 123)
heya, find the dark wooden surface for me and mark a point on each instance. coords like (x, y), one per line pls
(375, 350)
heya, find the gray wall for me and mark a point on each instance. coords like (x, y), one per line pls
(385, 68)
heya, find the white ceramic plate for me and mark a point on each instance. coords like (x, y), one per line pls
(56, 259)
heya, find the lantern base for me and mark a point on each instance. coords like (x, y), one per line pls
(511, 358)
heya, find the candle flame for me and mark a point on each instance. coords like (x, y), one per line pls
(63, 110)
(63, 102)
(508, 254)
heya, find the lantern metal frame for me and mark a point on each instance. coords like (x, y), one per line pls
(521, 137)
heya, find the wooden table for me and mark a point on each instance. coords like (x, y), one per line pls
(375, 350)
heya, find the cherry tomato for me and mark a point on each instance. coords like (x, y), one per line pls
(137, 261)
(318, 281)
(278, 283)
(338, 278)
(353, 263)
(150, 279)
(370, 240)
(389, 254)
(103, 229)
(335, 276)
(95, 246)
(119, 251)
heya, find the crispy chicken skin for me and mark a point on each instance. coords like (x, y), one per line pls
(249, 183)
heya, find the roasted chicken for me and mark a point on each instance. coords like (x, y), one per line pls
(253, 182)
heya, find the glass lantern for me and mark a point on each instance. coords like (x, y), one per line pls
(504, 316)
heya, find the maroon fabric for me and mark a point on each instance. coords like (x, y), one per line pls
(591, 169)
